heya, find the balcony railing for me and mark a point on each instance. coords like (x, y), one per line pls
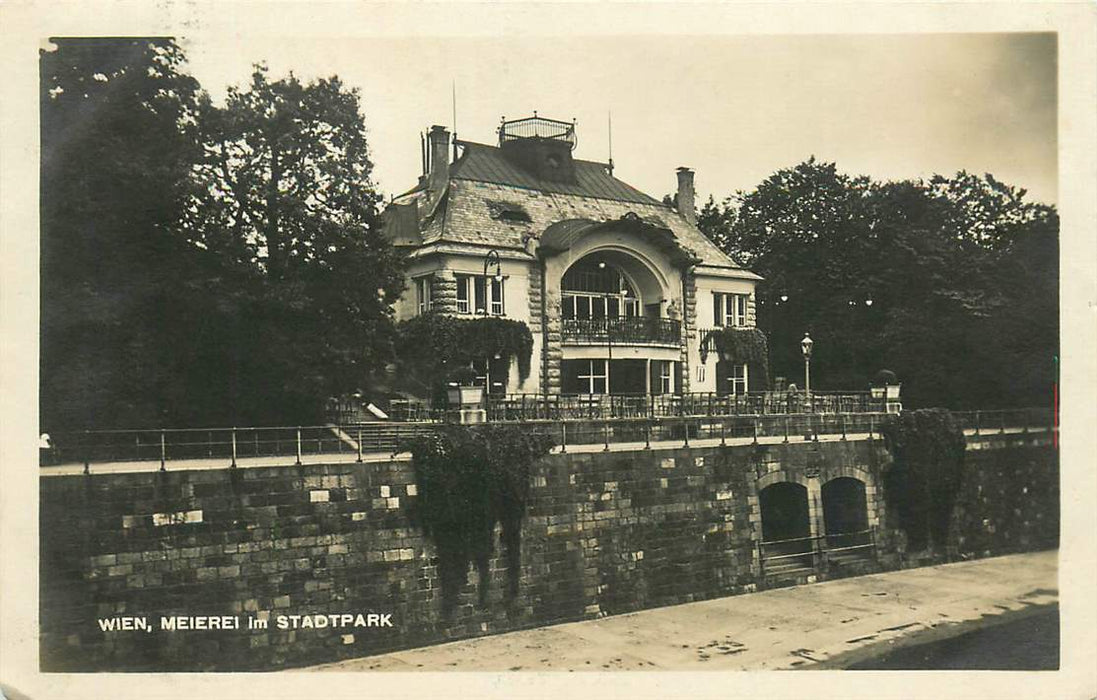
(623, 331)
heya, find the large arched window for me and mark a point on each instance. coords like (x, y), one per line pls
(595, 289)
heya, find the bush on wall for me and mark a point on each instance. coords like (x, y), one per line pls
(471, 478)
(924, 479)
(741, 346)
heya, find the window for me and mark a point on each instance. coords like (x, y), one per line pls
(729, 309)
(492, 374)
(480, 295)
(597, 290)
(737, 380)
(592, 376)
(666, 377)
(422, 293)
(700, 373)
(462, 294)
(731, 378)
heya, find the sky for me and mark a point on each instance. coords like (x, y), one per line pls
(733, 108)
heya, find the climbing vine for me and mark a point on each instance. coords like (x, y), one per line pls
(471, 478)
(741, 346)
(924, 479)
(432, 346)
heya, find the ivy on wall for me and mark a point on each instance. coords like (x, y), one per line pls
(927, 470)
(431, 347)
(471, 478)
(747, 346)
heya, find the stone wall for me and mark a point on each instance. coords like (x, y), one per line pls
(605, 533)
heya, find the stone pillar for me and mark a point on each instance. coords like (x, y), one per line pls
(443, 292)
(536, 325)
(554, 352)
(689, 320)
(815, 506)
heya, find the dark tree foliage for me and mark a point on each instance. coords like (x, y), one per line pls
(470, 479)
(961, 273)
(117, 144)
(285, 203)
(924, 479)
(203, 265)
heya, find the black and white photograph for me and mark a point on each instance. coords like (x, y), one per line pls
(481, 346)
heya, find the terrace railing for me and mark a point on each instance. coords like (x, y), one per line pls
(570, 406)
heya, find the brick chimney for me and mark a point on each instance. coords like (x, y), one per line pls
(439, 158)
(686, 195)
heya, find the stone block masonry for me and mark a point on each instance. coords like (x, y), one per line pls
(605, 533)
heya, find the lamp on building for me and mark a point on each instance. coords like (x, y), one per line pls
(805, 347)
(784, 298)
(492, 258)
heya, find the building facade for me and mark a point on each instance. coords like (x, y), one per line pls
(618, 289)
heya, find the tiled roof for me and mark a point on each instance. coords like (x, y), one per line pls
(465, 217)
(488, 164)
(483, 183)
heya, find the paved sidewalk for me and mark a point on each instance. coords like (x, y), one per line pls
(825, 625)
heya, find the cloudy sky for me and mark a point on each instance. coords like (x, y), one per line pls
(733, 108)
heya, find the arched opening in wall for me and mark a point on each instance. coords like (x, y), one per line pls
(786, 527)
(845, 516)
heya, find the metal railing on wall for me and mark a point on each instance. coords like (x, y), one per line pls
(816, 552)
(293, 444)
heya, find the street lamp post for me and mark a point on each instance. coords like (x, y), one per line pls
(805, 347)
(492, 258)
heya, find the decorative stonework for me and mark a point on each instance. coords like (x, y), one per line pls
(443, 292)
(689, 321)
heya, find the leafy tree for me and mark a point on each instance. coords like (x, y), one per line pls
(961, 274)
(202, 265)
(285, 201)
(116, 122)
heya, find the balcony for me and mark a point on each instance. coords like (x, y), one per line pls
(628, 330)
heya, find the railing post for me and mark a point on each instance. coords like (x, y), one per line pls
(209, 444)
(359, 443)
(647, 434)
(163, 451)
(976, 422)
(754, 422)
(786, 428)
(871, 425)
(605, 435)
(564, 436)
(87, 457)
(842, 420)
(723, 432)
(761, 561)
(233, 447)
(1002, 423)
(685, 426)
(298, 462)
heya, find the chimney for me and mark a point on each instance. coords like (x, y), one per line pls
(439, 158)
(685, 195)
